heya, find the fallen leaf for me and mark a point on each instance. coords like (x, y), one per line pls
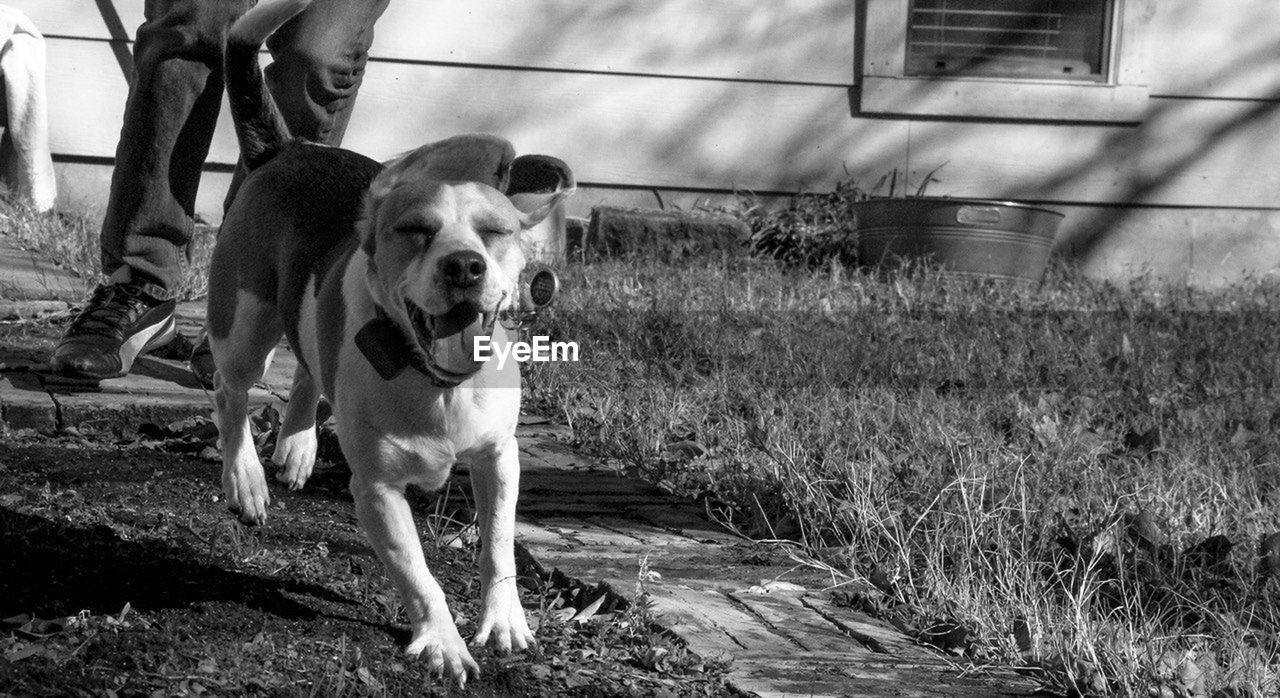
(1022, 636)
(1269, 554)
(687, 450)
(1213, 552)
(1243, 435)
(1143, 527)
(1144, 442)
(774, 586)
(586, 613)
(23, 651)
(39, 628)
(368, 679)
(947, 636)
(653, 657)
(1046, 430)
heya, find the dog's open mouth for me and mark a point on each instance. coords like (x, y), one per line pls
(448, 339)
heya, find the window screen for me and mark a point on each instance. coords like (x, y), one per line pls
(1061, 39)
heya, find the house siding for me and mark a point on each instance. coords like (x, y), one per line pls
(699, 98)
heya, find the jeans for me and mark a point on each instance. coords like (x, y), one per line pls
(318, 63)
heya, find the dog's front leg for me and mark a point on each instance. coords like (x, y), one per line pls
(296, 444)
(243, 481)
(388, 522)
(495, 486)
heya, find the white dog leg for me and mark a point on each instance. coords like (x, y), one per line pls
(241, 360)
(243, 481)
(295, 451)
(495, 486)
(388, 522)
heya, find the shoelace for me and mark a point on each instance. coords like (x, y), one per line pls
(108, 308)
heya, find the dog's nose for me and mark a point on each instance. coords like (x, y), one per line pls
(462, 269)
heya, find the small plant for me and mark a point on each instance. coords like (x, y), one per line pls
(816, 230)
(811, 231)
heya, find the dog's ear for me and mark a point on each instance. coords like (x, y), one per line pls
(538, 184)
(534, 208)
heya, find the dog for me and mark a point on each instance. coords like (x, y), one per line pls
(382, 278)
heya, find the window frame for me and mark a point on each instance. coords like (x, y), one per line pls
(886, 90)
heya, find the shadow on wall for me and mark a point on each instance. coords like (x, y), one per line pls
(1207, 140)
(1222, 148)
(754, 94)
(669, 94)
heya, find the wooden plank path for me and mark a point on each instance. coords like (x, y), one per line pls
(595, 525)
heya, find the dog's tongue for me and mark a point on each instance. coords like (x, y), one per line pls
(455, 320)
(454, 338)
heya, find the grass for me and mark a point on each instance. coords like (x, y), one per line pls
(70, 240)
(1074, 477)
(1077, 478)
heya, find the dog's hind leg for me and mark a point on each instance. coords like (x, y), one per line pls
(495, 486)
(241, 359)
(295, 452)
(388, 522)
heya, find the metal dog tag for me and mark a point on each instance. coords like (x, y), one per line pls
(540, 287)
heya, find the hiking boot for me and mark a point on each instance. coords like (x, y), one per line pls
(119, 322)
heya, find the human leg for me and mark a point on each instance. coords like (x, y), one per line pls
(170, 114)
(319, 62)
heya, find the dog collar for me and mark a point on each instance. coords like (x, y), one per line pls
(386, 347)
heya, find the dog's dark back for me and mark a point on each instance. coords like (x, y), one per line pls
(293, 218)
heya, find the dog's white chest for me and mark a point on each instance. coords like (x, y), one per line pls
(420, 432)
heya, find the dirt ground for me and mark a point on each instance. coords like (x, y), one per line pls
(121, 573)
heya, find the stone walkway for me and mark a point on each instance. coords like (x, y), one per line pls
(775, 622)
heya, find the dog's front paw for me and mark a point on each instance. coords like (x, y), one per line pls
(295, 454)
(446, 654)
(245, 486)
(502, 622)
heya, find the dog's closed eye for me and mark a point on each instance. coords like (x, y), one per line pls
(488, 224)
(416, 230)
(424, 228)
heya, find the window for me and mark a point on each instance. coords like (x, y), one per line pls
(1017, 59)
(1053, 39)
